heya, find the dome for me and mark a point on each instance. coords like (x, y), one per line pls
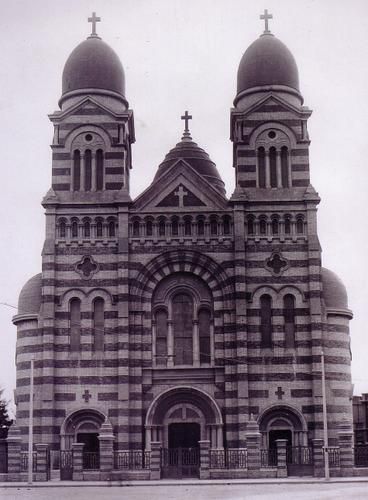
(333, 290)
(267, 62)
(29, 301)
(93, 65)
(197, 158)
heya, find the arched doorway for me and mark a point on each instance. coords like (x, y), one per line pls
(180, 418)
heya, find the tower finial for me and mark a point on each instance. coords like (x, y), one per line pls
(186, 117)
(94, 20)
(266, 16)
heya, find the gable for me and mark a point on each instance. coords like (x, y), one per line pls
(181, 197)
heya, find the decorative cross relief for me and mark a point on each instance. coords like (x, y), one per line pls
(86, 396)
(181, 193)
(276, 264)
(87, 267)
(279, 393)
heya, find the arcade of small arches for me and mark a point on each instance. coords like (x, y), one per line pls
(275, 225)
(86, 228)
(180, 226)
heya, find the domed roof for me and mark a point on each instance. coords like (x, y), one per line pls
(197, 158)
(93, 65)
(30, 297)
(267, 61)
(333, 290)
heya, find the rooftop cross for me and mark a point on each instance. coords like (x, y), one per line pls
(266, 16)
(186, 117)
(94, 20)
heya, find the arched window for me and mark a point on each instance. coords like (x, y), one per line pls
(261, 168)
(187, 226)
(250, 225)
(300, 225)
(87, 170)
(99, 229)
(76, 170)
(226, 225)
(182, 316)
(62, 229)
(99, 170)
(204, 326)
(273, 167)
(200, 227)
(174, 227)
(111, 228)
(87, 229)
(98, 324)
(162, 227)
(213, 226)
(289, 320)
(75, 229)
(287, 225)
(263, 226)
(149, 228)
(275, 226)
(136, 228)
(266, 321)
(75, 324)
(161, 337)
(284, 167)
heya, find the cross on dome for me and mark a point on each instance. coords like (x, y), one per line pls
(94, 20)
(266, 16)
(186, 117)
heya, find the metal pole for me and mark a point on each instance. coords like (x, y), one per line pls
(325, 429)
(30, 426)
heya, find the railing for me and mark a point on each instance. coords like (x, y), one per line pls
(299, 455)
(269, 457)
(91, 460)
(333, 456)
(132, 460)
(24, 461)
(230, 458)
(361, 456)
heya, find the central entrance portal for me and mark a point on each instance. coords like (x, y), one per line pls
(181, 458)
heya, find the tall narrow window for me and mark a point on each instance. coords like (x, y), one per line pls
(161, 337)
(263, 226)
(182, 314)
(187, 226)
(287, 225)
(98, 324)
(299, 225)
(284, 167)
(75, 324)
(99, 229)
(250, 225)
(112, 228)
(74, 229)
(266, 321)
(174, 227)
(275, 226)
(204, 325)
(200, 227)
(62, 229)
(273, 167)
(149, 229)
(76, 170)
(226, 226)
(289, 319)
(99, 170)
(87, 170)
(213, 225)
(162, 227)
(261, 168)
(87, 229)
(136, 228)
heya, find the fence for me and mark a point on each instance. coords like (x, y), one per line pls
(230, 458)
(91, 460)
(269, 457)
(333, 456)
(361, 456)
(132, 460)
(24, 461)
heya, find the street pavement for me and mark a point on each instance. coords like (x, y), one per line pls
(301, 491)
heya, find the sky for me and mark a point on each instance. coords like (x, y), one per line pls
(183, 55)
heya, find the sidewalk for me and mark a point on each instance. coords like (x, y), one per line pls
(182, 482)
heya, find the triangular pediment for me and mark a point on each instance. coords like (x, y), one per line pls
(180, 188)
(87, 106)
(273, 103)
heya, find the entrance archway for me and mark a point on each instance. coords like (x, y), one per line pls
(282, 422)
(82, 426)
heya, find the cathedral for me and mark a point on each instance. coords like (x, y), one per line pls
(182, 315)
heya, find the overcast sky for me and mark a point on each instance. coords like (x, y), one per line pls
(178, 55)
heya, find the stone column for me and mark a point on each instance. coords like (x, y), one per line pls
(170, 344)
(196, 355)
(281, 457)
(155, 460)
(14, 441)
(346, 443)
(204, 459)
(94, 172)
(278, 167)
(106, 438)
(318, 458)
(253, 445)
(42, 462)
(268, 170)
(77, 461)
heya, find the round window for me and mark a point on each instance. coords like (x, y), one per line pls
(272, 134)
(88, 137)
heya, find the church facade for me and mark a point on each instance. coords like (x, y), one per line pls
(181, 315)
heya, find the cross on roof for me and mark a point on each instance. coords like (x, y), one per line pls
(94, 20)
(276, 263)
(86, 396)
(186, 117)
(266, 16)
(181, 193)
(279, 393)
